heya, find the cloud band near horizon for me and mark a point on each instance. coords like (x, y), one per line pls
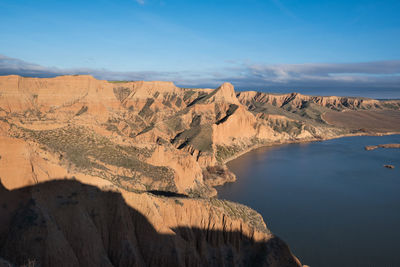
(377, 74)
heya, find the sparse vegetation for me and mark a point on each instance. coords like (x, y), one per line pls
(198, 137)
(91, 153)
(148, 128)
(167, 103)
(188, 94)
(178, 102)
(146, 112)
(239, 211)
(121, 93)
(175, 124)
(119, 81)
(225, 152)
(288, 126)
(177, 201)
(112, 128)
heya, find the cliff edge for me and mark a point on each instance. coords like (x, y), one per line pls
(118, 165)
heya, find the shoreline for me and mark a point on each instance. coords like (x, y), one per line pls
(303, 141)
(292, 244)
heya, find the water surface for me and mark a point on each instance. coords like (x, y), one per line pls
(333, 202)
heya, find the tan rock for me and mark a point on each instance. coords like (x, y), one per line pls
(155, 144)
(67, 223)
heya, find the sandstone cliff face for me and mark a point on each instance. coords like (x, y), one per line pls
(57, 98)
(58, 116)
(153, 151)
(66, 223)
(297, 100)
(151, 144)
(144, 136)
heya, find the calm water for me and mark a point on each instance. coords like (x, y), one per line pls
(333, 202)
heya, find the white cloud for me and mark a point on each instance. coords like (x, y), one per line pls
(378, 74)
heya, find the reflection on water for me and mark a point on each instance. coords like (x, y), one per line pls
(333, 202)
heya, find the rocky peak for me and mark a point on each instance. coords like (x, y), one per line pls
(224, 93)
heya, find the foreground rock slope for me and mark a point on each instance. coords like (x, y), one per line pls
(151, 153)
(67, 223)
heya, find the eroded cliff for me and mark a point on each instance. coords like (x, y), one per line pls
(153, 151)
(67, 223)
(144, 136)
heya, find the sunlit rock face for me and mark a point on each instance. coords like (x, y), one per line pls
(94, 172)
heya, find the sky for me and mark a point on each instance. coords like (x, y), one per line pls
(328, 47)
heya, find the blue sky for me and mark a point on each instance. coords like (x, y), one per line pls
(257, 44)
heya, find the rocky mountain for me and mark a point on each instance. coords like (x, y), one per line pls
(118, 165)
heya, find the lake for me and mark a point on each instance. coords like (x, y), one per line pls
(333, 202)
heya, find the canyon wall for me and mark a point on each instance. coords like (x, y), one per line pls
(67, 223)
(98, 173)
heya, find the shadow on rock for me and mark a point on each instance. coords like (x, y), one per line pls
(67, 223)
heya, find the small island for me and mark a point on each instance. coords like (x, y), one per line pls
(382, 146)
(388, 166)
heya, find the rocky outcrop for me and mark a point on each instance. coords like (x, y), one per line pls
(223, 94)
(152, 153)
(218, 175)
(296, 100)
(145, 148)
(144, 136)
(66, 223)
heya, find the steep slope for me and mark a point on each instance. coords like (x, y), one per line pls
(87, 127)
(66, 223)
(144, 136)
(296, 100)
(163, 148)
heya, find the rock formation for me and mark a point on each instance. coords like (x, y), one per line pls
(296, 100)
(147, 156)
(67, 223)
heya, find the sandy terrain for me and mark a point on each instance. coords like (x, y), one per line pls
(369, 120)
